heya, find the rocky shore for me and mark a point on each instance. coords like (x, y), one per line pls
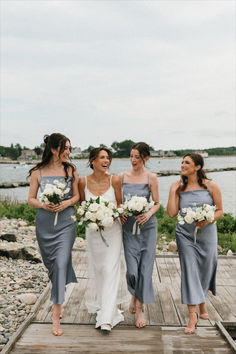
(23, 275)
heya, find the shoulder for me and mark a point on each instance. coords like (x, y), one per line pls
(35, 174)
(82, 182)
(116, 180)
(212, 186)
(152, 177)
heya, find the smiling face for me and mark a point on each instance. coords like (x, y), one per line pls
(64, 155)
(102, 161)
(188, 167)
(136, 160)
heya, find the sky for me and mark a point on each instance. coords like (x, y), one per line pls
(162, 72)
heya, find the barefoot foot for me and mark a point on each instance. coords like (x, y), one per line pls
(140, 318)
(132, 306)
(56, 327)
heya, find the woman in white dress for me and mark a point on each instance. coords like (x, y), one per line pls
(104, 261)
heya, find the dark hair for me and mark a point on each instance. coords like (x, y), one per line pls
(53, 141)
(143, 149)
(198, 161)
(94, 154)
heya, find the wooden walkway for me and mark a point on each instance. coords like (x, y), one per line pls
(166, 318)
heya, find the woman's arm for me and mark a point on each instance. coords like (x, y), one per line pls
(217, 201)
(33, 190)
(116, 184)
(173, 201)
(81, 189)
(153, 185)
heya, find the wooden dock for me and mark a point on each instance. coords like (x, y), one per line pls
(165, 318)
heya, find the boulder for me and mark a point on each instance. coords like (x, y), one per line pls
(27, 298)
(172, 247)
(8, 237)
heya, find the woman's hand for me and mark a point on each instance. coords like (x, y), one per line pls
(176, 185)
(123, 219)
(57, 208)
(143, 218)
(201, 224)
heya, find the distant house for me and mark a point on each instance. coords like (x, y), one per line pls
(75, 153)
(27, 155)
(170, 154)
(157, 153)
(203, 153)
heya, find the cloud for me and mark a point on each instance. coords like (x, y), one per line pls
(101, 71)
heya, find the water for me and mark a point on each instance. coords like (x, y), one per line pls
(226, 180)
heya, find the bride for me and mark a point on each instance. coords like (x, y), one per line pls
(103, 257)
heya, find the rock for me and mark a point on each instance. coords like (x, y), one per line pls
(220, 249)
(27, 298)
(172, 247)
(29, 284)
(22, 223)
(229, 253)
(3, 340)
(8, 237)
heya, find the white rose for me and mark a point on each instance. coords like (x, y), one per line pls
(80, 211)
(88, 215)
(107, 221)
(93, 207)
(100, 214)
(139, 206)
(93, 226)
(120, 210)
(189, 219)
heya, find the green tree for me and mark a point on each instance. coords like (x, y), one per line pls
(123, 148)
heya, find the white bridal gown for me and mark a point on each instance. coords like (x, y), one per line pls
(104, 268)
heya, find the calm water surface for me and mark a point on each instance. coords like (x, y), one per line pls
(226, 180)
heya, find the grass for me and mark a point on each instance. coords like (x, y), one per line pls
(166, 226)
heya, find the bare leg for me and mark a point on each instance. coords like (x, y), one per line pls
(140, 318)
(203, 311)
(132, 306)
(193, 320)
(56, 328)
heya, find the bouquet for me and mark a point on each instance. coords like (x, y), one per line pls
(201, 213)
(97, 214)
(136, 206)
(54, 193)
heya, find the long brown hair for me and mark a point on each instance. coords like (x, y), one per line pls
(53, 141)
(94, 154)
(198, 161)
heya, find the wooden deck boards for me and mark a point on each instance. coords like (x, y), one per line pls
(165, 317)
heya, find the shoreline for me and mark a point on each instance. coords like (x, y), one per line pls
(34, 162)
(165, 173)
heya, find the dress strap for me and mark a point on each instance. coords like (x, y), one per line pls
(148, 178)
(111, 181)
(208, 185)
(85, 181)
(40, 173)
(122, 179)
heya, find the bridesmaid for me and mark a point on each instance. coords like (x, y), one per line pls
(104, 262)
(55, 242)
(140, 248)
(198, 260)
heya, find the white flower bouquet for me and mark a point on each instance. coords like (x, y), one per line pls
(196, 214)
(136, 206)
(97, 214)
(54, 193)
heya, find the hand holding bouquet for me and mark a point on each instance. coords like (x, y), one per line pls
(97, 214)
(54, 193)
(204, 212)
(136, 206)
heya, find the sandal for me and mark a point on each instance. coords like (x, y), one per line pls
(191, 330)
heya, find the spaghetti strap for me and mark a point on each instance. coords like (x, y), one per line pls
(40, 173)
(148, 178)
(85, 181)
(208, 185)
(123, 176)
(111, 181)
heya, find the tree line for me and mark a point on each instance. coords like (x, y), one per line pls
(120, 149)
